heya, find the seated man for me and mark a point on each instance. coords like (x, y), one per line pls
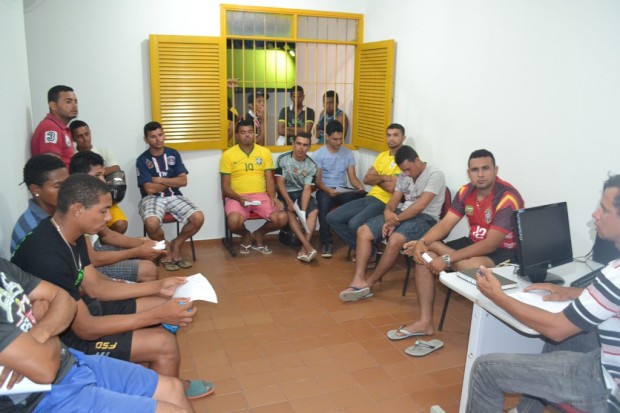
(382, 176)
(330, 112)
(258, 114)
(111, 253)
(295, 175)
(488, 203)
(43, 175)
(112, 319)
(247, 181)
(160, 175)
(579, 364)
(423, 187)
(35, 313)
(294, 118)
(80, 131)
(336, 163)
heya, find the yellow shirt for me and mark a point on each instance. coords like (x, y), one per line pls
(384, 165)
(117, 215)
(247, 171)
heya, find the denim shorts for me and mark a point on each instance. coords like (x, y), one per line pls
(412, 229)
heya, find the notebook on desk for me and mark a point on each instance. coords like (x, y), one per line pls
(470, 276)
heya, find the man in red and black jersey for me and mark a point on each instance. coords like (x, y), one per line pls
(488, 203)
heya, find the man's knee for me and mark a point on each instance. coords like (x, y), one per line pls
(152, 224)
(120, 226)
(279, 218)
(396, 241)
(364, 233)
(197, 219)
(235, 221)
(147, 271)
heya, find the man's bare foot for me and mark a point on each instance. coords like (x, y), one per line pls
(175, 249)
(258, 237)
(420, 327)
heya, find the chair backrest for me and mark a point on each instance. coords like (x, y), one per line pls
(446, 203)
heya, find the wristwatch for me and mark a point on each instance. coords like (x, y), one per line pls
(446, 260)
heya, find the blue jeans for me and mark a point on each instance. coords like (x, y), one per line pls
(568, 372)
(346, 221)
(326, 203)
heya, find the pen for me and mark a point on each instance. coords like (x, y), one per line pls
(502, 264)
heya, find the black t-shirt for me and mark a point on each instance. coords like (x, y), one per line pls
(16, 318)
(46, 255)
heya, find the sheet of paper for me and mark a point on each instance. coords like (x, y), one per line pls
(535, 298)
(197, 287)
(248, 203)
(342, 189)
(302, 217)
(24, 386)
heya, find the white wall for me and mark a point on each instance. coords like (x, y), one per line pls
(15, 116)
(535, 82)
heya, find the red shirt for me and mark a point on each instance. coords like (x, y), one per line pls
(493, 212)
(52, 136)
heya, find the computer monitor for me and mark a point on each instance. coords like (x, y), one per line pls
(543, 241)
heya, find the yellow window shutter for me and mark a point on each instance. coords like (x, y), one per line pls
(188, 90)
(374, 78)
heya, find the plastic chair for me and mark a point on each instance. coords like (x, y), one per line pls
(169, 219)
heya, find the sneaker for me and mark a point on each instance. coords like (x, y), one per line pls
(327, 251)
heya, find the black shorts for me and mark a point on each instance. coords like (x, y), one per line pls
(498, 256)
(117, 346)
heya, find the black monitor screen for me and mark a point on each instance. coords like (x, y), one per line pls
(543, 239)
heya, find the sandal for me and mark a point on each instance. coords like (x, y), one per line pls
(198, 389)
(245, 249)
(262, 249)
(183, 263)
(170, 266)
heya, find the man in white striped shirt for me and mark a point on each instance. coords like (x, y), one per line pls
(580, 365)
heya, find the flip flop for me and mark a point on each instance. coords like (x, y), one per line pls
(198, 389)
(183, 263)
(263, 250)
(170, 266)
(312, 255)
(355, 295)
(245, 249)
(422, 348)
(400, 333)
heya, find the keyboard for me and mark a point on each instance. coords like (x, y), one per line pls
(585, 280)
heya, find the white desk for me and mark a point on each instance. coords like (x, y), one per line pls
(492, 329)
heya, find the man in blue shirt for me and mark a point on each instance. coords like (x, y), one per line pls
(335, 164)
(160, 175)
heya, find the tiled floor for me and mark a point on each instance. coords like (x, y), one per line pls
(280, 340)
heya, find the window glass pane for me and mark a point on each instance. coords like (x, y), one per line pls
(242, 23)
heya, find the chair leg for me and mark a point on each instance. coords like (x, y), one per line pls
(409, 261)
(191, 243)
(227, 241)
(445, 309)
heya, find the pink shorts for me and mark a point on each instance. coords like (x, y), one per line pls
(264, 210)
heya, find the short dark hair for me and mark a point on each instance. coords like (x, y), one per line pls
(330, 94)
(77, 124)
(151, 126)
(614, 182)
(396, 126)
(54, 93)
(405, 153)
(80, 189)
(481, 153)
(333, 126)
(298, 89)
(38, 168)
(303, 134)
(244, 122)
(81, 162)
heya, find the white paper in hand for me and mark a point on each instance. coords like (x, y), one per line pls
(160, 245)
(302, 217)
(248, 203)
(197, 287)
(24, 386)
